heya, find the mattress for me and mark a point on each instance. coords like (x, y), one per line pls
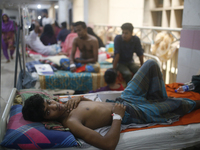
(75, 81)
(173, 137)
(84, 81)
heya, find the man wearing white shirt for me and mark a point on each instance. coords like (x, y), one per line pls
(46, 19)
(35, 43)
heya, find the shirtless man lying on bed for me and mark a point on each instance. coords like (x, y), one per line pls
(88, 46)
(143, 101)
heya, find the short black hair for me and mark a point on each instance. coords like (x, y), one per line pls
(64, 24)
(110, 76)
(90, 31)
(127, 26)
(80, 23)
(45, 11)
(32, 27)
(33, 109)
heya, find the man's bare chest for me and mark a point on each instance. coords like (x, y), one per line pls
(85, 45)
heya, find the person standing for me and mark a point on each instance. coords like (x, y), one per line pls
(8, 35)
(46, 19)
(125, 46)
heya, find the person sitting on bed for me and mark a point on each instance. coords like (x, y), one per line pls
(35, 43)
(88, 46)
(48, 36)
(125, 46)
(144, 101)
(110, 77)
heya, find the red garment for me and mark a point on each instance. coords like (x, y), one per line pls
(121, 88)
(107, 88)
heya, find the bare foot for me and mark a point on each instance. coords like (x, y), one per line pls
(11, 57)
(8, 61)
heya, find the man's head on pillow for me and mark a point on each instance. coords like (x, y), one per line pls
(38, 109)
(33, 109)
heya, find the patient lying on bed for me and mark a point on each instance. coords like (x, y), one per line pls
(143, 101)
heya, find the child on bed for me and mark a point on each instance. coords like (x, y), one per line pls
(144, 101)
(110, 77)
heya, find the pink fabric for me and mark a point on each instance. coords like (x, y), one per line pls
(35, 53)
(17, 121)
(67, 45)
(57, 30)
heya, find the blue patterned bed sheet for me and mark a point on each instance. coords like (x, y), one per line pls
(69, 80)
(84, 81)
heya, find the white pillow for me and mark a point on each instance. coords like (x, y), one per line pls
(56, 59)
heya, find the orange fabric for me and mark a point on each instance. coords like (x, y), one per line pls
(193, 117)
(80, 69)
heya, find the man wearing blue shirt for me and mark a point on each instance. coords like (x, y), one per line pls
(63, 33)
(125, 46)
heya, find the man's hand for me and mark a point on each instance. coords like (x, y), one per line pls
(119, 109)
(73, 103)
(72, 69)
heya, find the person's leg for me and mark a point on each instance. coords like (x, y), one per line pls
(146, 84)
(133, 67)
(11, 53)
(124, 70)
(5, 49)
(92, 67)
(11, 43)
(197, 104)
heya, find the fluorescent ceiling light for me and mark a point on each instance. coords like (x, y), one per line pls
(56, 6)
(39, 6)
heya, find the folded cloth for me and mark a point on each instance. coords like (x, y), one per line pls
(56, 59)
(54, 125)
(25, 80)
(90, 67)
(31, 66)
(46, 61)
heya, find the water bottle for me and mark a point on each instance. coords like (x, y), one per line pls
(185, 87)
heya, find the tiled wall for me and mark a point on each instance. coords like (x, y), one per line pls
(189, 52)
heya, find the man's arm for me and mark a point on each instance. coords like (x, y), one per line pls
(141, 58)
(117, 51)
(116, 60)
(139, 50)
(107, 142)
(74, 47)
(73, 103)
(37, 26)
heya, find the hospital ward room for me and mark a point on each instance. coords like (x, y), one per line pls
(106, 74)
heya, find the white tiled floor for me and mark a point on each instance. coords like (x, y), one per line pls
(7, 79)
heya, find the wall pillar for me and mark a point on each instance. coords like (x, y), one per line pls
(63, 11)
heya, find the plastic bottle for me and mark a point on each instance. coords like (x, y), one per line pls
(185, 87)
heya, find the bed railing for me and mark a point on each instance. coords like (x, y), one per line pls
(147, 36)
(5, 115)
